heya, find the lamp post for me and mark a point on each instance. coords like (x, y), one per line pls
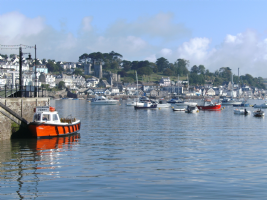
(20, 68)
(35, 73)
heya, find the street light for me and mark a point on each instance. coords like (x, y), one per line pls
(20, 68)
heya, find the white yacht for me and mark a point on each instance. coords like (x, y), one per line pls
(101, 100)
(230, 101)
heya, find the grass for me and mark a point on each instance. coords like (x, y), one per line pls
(153, 77)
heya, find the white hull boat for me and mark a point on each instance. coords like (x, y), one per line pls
(139, 102)
(178, 109)
(227, 101)
(242, 112)
(101, 100)
(191, 109)
(147, 105)
(163, 104)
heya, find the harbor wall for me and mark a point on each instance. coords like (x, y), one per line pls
(24, 107)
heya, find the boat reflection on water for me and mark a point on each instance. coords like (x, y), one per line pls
(32, 161)
(56, 142)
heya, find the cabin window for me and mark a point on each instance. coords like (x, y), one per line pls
(46, 117)
(55, 118)
(37, 117)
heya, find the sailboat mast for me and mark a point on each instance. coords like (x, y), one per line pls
(178, 85)
(188, 83)
(137, 86)
(232, 84)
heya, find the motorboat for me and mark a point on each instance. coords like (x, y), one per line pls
(242, 112)
(209, 105)
(230, 101)
(147, 105)
(163, 104)
(138, 102)
(46, 123)
(101, 100)
(264, 105)
(243, 104)
(191, 109)
(175, 100)
(186, 103)
(258, 113)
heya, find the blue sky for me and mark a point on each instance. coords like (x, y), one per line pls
(214, 33)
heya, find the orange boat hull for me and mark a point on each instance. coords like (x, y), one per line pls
(53, 130)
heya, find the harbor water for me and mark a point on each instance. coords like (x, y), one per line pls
(122, 153)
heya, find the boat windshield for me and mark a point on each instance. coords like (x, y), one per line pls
(37, 117)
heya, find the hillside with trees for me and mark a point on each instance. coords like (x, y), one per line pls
(198, 75)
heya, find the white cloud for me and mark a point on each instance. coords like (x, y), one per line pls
(151, 58)
(15, 25)
(165, 52)
(245, 50)
(160, 26)
(86, 24)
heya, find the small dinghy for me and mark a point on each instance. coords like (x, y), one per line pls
(258, 113)
(178, 109)
(191, 109)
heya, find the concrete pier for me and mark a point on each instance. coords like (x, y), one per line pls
(23, 107)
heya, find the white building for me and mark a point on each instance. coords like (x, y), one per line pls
(165, 82)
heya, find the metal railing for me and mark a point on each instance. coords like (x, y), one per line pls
(14, 91)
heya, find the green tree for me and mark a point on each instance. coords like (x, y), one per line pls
(201, 69)
(78, 71)
(128, 80)
(83, 57)
(4, 56)
(162, 63)
(168, 72)
(123, 73)
(61, 85)
(194, 69)
(182, 67)
(135, 65)
(126, 65)
(145, 71)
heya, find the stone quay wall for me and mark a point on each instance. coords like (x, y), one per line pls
(24, 107)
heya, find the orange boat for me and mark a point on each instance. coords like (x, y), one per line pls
(46, 123)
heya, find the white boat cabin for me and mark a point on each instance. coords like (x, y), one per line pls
(46, 114)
